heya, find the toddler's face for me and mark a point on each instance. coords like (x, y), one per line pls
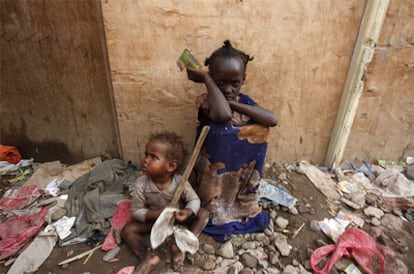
(228, 74)
(155, 162)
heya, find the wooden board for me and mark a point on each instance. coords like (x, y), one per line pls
(56, 97)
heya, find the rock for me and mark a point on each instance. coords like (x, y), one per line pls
(249, 245)
(375, 222)
(282, 245)
(293, 211)
(290, 269)
(281, 222)
(208, 264)
(373, 212)
(314, 225)
(209, 249)
(248, 260)
(273, 214)
(246, 271)
(236, 268)
(226, 250)
(396, 212)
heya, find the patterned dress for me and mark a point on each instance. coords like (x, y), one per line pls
(228, 172)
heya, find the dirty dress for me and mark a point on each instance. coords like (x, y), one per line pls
(228, 171)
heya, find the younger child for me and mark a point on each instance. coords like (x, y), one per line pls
(164, 156)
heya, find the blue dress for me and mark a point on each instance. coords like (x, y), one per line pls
(228, 172)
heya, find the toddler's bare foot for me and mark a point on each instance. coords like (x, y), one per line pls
(178, 257)
(147, 264)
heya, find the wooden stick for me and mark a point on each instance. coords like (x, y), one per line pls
(89, 256)
(80, 256)
(298, 230)
(190, 165)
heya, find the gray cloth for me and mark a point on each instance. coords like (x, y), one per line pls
(84, 195)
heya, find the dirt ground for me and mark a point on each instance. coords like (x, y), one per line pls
(396, 235)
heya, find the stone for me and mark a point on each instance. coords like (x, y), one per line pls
(282, 245)
(208, 264)
(281, 222)
(375, 222)
(248, 260)
(226, 250)
(290, 269)
(373, 212)
(209, 249)
(314, 225)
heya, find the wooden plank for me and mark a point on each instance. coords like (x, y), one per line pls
(370, 28)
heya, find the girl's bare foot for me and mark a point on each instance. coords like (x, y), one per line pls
(178, 257)
(147, 264)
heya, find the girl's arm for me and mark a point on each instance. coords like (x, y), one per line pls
(258, 114)
(219, 109)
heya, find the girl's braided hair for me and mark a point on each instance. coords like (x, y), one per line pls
(227, 50)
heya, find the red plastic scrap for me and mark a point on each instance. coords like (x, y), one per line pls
(17, 231)
(10, 154)
(354, 244)
(19, 197)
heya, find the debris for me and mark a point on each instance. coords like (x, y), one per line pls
(298, 230)
(270, 190)
(325, 184)
(35, 254)
(80, 256)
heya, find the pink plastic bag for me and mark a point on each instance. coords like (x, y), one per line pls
(19, 197)
(121, 217)
(17, 231)
(354, 244)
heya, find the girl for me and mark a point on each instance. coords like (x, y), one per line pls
(229, 168)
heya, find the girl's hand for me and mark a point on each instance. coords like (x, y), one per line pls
(197, 75)
(182, 214)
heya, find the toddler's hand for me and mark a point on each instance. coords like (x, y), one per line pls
(182, 214)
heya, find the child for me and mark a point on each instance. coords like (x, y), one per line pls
(229, 168)
(164, 156)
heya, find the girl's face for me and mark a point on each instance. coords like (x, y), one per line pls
(228, 74)
(155, 163)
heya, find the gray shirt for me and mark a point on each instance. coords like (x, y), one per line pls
(147, 196)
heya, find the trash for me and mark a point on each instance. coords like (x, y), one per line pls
(325, 184)
(35, 254)
(15, 232)
(19, 197)
(364, 167)
(23, 174)
(80, 256)
(388, 163)
(270, 190)
(53, 187)
(354, 244)
(352, 269)
(333, 228)
(62, 226)
(346, 216)
(111, 254)
(121, 217)
(10, 154)
(7, 168)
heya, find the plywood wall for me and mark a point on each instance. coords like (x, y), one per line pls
(384, 124)
(56, 98)
(302, 50)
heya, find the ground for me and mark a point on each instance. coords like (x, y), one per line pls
(398, 235)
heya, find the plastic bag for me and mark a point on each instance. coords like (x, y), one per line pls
(354, 244)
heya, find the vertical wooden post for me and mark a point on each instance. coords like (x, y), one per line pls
(368, 33)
